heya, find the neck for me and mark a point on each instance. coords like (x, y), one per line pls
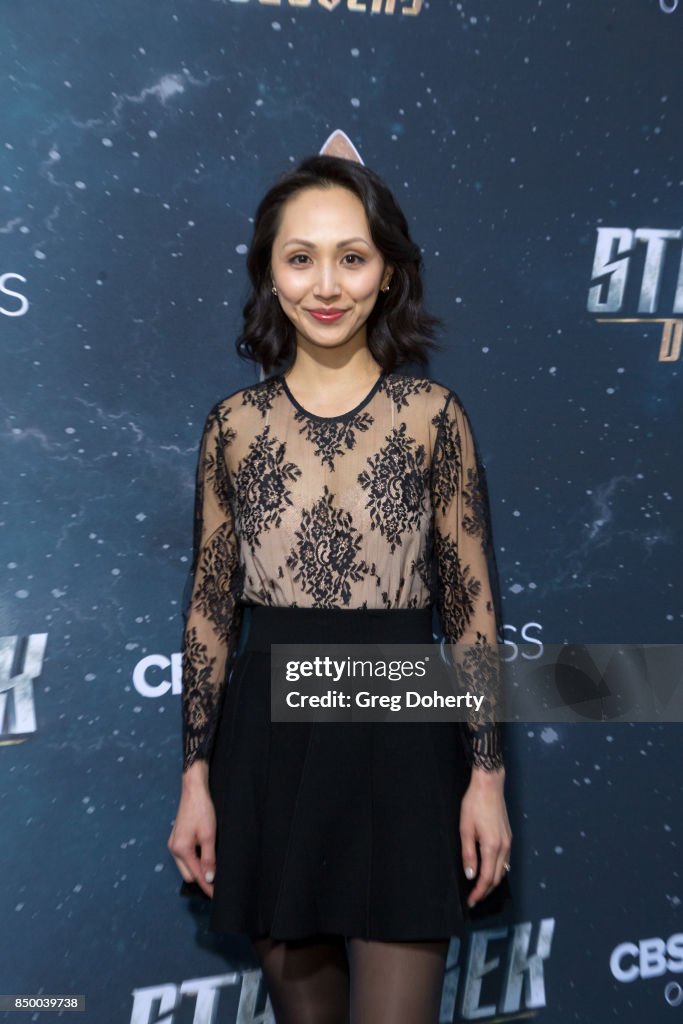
(312, 372)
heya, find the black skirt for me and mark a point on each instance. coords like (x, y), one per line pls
(334, 827)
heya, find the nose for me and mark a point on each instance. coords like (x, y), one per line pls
(326, 283)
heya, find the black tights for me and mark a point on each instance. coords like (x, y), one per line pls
(333, 980)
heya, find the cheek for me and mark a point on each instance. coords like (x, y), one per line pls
(291, 286)
(365, 287)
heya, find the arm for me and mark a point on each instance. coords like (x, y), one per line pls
(464, 596)
(214, 614)
(465, 603)
(212, 623)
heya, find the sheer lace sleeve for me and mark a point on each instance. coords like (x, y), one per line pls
(213, 616)
(464, 595)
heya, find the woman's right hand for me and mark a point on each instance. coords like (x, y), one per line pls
(195, 826)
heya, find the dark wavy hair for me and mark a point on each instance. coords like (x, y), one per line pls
(399, 329)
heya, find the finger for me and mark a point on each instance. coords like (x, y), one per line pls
(205, 887)
(194, 862)
(499, 872)
(468, 852)
(486, 874)
(505, 858)
(499, 869)
(179, 858)
(188, 857)
(185, 872)
(208, 861)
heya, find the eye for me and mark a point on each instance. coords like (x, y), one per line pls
(298, 256)
(355, 256)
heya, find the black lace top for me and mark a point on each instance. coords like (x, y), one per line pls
(383, 507)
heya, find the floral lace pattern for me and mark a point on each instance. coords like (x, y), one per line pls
(463, 593)
(383, 507)
(214, 620)
(332, 439)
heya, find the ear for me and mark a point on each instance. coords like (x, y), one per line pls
(387, 275)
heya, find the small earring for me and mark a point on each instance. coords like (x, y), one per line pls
(386, 288)
(274, 290)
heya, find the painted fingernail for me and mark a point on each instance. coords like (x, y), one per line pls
(469, 871)
(209, 876)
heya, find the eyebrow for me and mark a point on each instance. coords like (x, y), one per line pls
(311, 245)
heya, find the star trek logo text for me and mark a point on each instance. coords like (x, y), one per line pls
(632, 267)
(21, 663)
(499, 972)
(358, 6)
(12, 303)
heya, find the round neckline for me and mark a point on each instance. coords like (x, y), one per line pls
(341, 416)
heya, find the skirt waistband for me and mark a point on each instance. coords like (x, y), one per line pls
(268, 625)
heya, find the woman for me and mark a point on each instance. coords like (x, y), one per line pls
(338, 501)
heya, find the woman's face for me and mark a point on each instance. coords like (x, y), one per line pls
(323, 259)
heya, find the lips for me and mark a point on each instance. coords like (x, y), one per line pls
(327, 316)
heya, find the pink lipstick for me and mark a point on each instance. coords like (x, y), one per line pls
(327, 316)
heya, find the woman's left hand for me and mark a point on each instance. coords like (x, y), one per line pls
(484, 819)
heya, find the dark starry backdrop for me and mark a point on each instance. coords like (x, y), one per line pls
(135, 143)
